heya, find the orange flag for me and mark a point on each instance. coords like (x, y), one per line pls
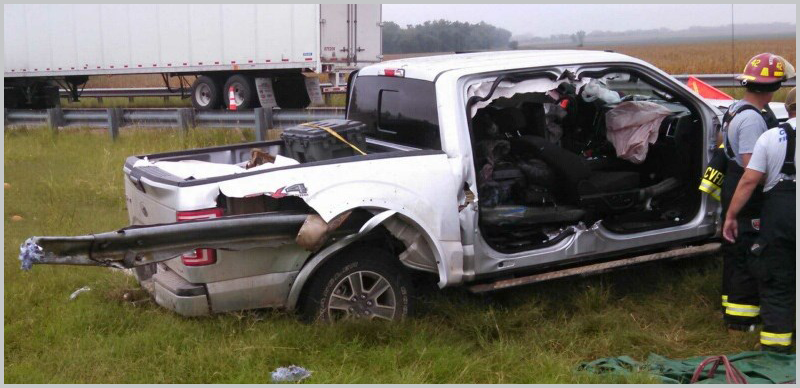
(705, 90)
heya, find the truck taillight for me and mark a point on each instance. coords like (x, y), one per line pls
(200, 256)
(394, 72)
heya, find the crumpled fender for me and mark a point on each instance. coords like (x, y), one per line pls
(449, 269)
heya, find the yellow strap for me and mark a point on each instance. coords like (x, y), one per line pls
(334, 134)
(724, 300)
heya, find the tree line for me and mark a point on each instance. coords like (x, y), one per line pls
(444, 35)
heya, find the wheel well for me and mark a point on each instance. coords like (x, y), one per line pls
(402, 239)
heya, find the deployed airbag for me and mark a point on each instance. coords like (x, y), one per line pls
(632, 126)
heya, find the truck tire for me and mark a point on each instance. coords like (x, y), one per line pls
(244, 91)
(206, 93)
(362, 283)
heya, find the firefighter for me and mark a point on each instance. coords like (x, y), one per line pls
(742, 125)
(772, 257)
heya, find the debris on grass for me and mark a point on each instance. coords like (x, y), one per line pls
(16, 218)
(78, 292)
(6, 185)
(290, 374)
(29, 253)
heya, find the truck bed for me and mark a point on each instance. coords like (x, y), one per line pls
(231, 155)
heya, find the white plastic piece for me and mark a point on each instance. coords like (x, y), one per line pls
(290, 374)
(78, 292)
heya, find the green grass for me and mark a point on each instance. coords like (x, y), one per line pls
(71, 183)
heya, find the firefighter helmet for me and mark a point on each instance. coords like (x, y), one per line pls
(765, 72)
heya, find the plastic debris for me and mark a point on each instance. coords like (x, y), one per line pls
(29, 254)
(290, 374)
(79, 291)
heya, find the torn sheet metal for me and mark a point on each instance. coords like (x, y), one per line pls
(315, 231)
(508, 89)
(392, 183)
(418, 253)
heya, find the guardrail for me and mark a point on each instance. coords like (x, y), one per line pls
(723, 80)
(259, 119)
(166, 93)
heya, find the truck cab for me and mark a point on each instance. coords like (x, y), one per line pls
(525, 139)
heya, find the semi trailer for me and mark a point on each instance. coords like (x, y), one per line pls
(269, 54)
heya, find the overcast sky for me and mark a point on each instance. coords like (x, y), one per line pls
(546, 19)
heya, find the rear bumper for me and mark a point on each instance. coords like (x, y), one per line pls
(175, 293)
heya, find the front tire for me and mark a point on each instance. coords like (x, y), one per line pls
(363, 283)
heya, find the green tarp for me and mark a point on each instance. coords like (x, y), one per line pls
(758, 368)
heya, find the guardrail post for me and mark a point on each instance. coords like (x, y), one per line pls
(270, 118)
(185, 119)
(261, 123)
(114, 121)
(55, 118)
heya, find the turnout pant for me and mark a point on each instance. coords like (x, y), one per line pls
(739, 285)
(772, 259)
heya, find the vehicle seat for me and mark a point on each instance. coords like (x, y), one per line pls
(606, 191)
(608, 181)
(510, 121)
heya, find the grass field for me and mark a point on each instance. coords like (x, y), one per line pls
(71, 183)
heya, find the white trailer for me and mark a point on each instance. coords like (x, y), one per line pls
(224, 45)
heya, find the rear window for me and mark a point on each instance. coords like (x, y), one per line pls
(398, 110)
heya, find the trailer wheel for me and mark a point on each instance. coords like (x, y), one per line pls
(244, 91)
(363, 283)
(206, 93)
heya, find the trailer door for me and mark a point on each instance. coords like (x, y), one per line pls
(367, 26)
(334, 32)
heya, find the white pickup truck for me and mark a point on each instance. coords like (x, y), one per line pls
(487, 170)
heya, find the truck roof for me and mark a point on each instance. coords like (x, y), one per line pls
(428, 68)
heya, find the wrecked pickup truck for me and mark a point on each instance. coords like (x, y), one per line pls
(486, 170)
